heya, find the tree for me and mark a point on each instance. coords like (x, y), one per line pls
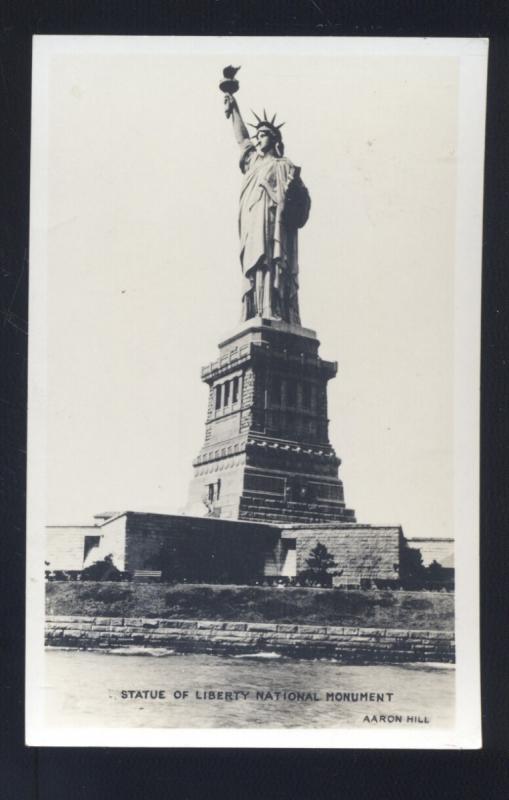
(104, 570)
(320, 566)
(411, 569)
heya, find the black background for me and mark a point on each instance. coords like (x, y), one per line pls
(51, 774)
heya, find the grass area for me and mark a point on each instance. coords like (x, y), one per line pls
(373, 608)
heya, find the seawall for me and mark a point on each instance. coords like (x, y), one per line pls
(346, 644)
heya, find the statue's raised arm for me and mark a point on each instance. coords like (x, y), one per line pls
(229, 85)
(239, 129)
(274, 203)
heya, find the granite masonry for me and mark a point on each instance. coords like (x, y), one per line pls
(208, 549)
(267, 454)
(348, 645)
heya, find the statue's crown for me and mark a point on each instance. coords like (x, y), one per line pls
(270, 125)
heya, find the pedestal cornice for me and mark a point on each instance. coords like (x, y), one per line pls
(263, 324)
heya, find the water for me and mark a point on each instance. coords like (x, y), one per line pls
(84, 688)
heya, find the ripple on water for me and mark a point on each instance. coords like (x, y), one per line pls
(83, 688)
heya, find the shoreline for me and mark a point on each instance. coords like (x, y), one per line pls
(347, 645)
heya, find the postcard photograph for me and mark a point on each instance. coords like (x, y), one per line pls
(255, 271)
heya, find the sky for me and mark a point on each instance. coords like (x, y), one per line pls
(136, 169)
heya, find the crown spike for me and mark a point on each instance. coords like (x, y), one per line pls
(280, 126)
(256, 115)
(265, 116)
(273, 119)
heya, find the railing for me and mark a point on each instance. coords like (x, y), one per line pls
(238, 354)
(235, 355)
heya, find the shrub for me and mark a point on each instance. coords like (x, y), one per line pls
(104, 570)
(439, 577)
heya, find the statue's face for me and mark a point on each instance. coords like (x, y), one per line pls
(264, 141)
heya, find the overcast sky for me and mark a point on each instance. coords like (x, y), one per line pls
(143, 276)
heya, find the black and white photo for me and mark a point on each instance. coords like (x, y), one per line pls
(253, 392)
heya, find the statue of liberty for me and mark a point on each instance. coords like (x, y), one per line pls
(274, 204)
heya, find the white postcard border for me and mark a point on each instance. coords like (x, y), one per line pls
(467, 731)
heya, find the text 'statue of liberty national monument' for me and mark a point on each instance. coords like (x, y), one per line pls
(267, 454)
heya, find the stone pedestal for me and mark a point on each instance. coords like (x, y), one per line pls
(267, 454)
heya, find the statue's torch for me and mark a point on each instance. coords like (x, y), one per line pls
(229, 85)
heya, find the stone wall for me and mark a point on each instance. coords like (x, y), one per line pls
(198, 549)
(349, 645)
(433, 549)
(362, 552)
(71, 548)
(217, 550)
(65, 546)
(113, 542)
(280, 511)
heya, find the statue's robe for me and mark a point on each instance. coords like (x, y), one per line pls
(270, 215)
